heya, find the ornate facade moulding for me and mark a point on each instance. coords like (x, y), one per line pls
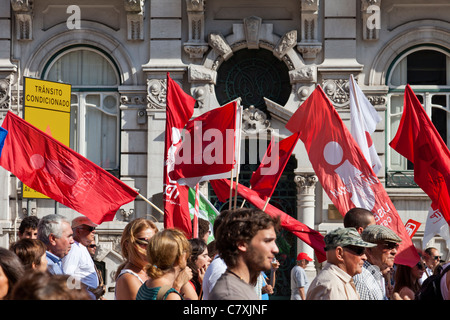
(23, 11)
(309, 45)
(306, 183)
(370, 14)
(135, 19)
(196, 46)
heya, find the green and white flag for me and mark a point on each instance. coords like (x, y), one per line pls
(206, 210)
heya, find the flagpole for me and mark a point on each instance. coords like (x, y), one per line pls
(357, 102)
(196, 212)
(238, 161)
(265, 205)
(150, 203)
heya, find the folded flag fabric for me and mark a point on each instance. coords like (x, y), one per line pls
(265, 179)
(342, 169)
(48, 166)
(179, 109)
(210, 148)
(310, 236)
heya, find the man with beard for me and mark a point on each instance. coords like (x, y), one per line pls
(246, 242)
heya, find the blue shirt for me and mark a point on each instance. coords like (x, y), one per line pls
(54, 265)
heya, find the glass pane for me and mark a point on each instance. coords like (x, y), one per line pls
(398, 77)
(427, 67)
(101, 138)
(74, 122)
(83, 68)
(397, 162)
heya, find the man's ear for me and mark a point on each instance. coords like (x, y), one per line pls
(242, 246)
(340, 253)
(52, 239)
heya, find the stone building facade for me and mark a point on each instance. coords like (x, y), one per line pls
(271, 54)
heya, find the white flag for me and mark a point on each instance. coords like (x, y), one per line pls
(364, 119)
(435, 225)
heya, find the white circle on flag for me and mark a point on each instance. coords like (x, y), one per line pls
(333, 153)
(37, 161)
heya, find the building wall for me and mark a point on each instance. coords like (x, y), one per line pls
(321, 42)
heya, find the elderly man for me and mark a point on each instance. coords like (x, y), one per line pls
(78, 263)
(380, 259)
(345, 252)
(55, 232)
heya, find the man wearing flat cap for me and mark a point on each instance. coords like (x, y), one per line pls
(380, 259)
(345, 250)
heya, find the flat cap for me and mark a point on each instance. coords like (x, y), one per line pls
(343, 237)
(377, 233)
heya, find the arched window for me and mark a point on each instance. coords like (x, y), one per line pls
(94, 131)
(427, 71)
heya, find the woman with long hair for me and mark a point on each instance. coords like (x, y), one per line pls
(167, 269)
(131, 273)
(407, 280)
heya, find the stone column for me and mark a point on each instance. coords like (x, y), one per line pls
(306, 186)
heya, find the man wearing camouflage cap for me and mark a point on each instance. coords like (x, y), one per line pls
(345, 256)
(380, 259)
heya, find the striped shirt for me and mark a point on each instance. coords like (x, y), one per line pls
(370, 283)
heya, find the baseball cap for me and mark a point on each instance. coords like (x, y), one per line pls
(82, 221)
(303, 255)
(343, 237)
(377, 233)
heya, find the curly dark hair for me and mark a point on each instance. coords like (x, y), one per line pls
(239, 226)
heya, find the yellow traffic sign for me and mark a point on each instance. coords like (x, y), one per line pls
(47, 107)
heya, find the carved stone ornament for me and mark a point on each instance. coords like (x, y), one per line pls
(287, 42)
(220, 45)
(156, 93)
(5, 94)
(337, 90)
(23, 10)
(135, 19)
(251, 29)
(254, 120)
(305, 181)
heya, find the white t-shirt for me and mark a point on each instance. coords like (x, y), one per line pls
(216, 268)
(79, 264)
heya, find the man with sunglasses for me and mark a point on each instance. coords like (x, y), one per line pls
(78, 263)
(345, 252)
(380, 259)
(431, 258)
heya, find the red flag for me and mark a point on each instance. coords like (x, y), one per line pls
(342, 169)
(418, 141)
(265, 178)
(208, 150)
(60, 173)
(310, 236)
(179, 109)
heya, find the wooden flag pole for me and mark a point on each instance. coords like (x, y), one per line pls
(265, 205)
(150, 203)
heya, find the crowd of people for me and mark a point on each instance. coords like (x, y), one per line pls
(54, 259)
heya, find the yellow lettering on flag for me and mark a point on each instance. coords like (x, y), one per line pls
(47, 107)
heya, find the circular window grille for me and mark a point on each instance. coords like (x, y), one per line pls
(253, 75)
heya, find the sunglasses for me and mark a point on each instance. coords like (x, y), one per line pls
(420, 266)
(437, 257)
(390, 245)
(88, 228)
(359, 251)
(142, 241)
(92, 246)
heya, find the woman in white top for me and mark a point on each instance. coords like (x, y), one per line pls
(132, 274)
